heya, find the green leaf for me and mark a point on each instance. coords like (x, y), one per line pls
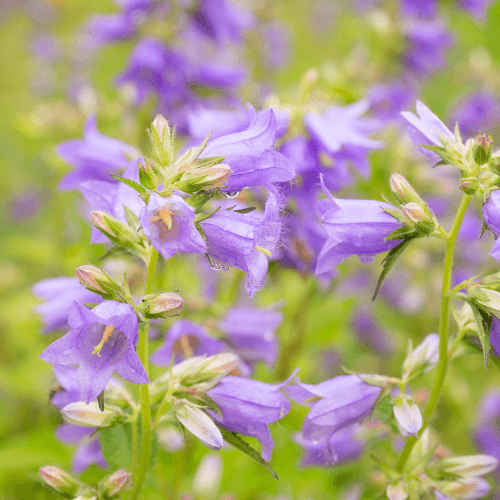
(203, 216)
(383, 409)
(132, 219)
(483, 333)
(140, 189)
(472, 341)
(246, 210)
(458, 137)
(100, 401)
(116, 445)
(237, 442)
(390, 259)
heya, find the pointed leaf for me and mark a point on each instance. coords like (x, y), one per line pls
(237, 442)
(246, 210)
(100, 401)
(483, 333)
(140, 189)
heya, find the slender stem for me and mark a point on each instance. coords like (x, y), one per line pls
(135, 446)
(145, 404)
(444, 324)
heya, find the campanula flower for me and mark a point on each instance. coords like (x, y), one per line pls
(491, 215)
(248, 407)
(101, 342)
(186, 339)
(388, 100)
(60, 293)
(93, 157)
(168, 224)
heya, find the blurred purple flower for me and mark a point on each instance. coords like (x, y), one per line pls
(101, 342)
(94, 157)
(422, 9)
(487, 432)
(26, 204)
(337, 404)
(60, 293)
(168, 224)
(388, 100)
(46, 47)
(476, 112)
(476, 8)
(248, 407)
(369, 332)
(251, 332)
(491, 216)
(276, 44)
(182, 335)
(426, 42)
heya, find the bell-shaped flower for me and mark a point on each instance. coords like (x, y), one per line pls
(60, 293)
(249, 155)
(408, 416)
(185, 339)
(250, 331)
(343, 126)
(424, 128)
(112, 198)
(94, 157)
(244, 240)
(356, 227)
(471, 488)
(335, 404)
(168, 224)
(248, 407)
(101, 342)
(491, 216)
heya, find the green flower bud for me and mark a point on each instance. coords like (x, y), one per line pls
(147, 176)
(203, 179)
(481, 151)
(403, 191)
(467, 466)
(414, 215)
(89, 415)
(469, 185)
(96, 280)
(114, 484)
(162, 140)
(162, 305)
(61, 481)
(486, 298)
(118, 232)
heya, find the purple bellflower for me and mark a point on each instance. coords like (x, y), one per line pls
(487, 433)
(94, 157)
(495, 334)
(248, 407)
(387, 101)
(249, 154)
(356, 227)
(477, 111)
(424, 128)
(426, 42)
(422, 9)
(185, 339)
(251, 332)
(491, 215)
(101, 342)
(60, 293)
(244, 241)
(112, 198)
(342, 446)
(369, 332)
(168, 224)
(343, 401)
(476, 8)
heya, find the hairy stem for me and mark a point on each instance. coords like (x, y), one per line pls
(145, 404)
(444, 324)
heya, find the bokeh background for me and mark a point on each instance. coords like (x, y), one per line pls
(50, 83)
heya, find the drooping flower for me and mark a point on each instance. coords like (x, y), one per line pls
(336, 404)
(94, 157)
(491, 215)
(251, 332)
(60, 293)
(186, 339)
(424, 128)
(249, 155)
(101, 342)
(248, 407)
(244, 240)
(168, 224)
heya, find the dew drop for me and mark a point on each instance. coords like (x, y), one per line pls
(215, 265)
(268, 336)
(232, 194)
(225, 268)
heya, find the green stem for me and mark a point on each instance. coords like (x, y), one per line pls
(145, 404)
(444, 324)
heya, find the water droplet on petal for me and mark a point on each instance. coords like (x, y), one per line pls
(268, 336)
(225, 268)
(215, 265)
(232, 194)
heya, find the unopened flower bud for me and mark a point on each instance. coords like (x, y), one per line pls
(423, 358)
(408, 416)
(99, 219)
(208, 475)
(202, 179)
(115, 484)
(162, 305)
(469, 185)
(466, 489)
(397, 491)
(200, 424)
(403, 191)
(118, 232)
(147, 176)
(88, 415)
(414, 215)
(467, 466)
(97, 281)
(481, 151)
(486, 298)
(162, 141)
(60, 480)
(222, 364)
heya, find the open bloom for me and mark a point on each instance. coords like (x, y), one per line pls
(168, 224)
(101, 342)
(94, 157)
(336, 403)
(248, 407)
